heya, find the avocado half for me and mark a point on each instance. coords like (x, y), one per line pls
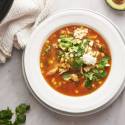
(116, 4)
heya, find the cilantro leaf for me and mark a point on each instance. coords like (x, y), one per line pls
(20, 119)
(6, 114)
(22, 108)
(66, 76)
(5, 122)
(77, 63)
(101, 49)
(103, 62)
(65, 43)
(88, 83)
(103, 74)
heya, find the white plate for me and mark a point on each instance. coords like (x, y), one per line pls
(70, 104)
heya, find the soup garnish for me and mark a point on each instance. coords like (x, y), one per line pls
(75, 60)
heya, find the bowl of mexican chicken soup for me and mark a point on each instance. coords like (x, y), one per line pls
(75, 63)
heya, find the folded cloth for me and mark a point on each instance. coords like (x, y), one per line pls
(23, 17)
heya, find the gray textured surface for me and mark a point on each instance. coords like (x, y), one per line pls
(13, 89)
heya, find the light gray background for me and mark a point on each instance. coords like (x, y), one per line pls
(13, 89)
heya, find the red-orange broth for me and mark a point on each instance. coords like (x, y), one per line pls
(75, 78)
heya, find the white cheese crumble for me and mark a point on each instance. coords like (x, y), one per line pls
(107, 65)
(79, 33)
(89, 59)
(91, 43)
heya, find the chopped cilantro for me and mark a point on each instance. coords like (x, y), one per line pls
(103, 62)
(88, 83)
(66, 76)
(77, 63)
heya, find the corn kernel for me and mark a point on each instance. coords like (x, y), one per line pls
(59, 84)
(100, 82)
(63, 31)
(41, 65)
(97, 41)
(93, 86)
(53, 80)
(47, 41)
(76, 91)
(50, 61)
(82, 85)
(54, 83)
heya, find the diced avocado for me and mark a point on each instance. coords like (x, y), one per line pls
(116, 4)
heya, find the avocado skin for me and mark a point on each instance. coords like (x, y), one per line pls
(113, 7)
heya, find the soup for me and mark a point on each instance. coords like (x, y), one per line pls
(75, 60)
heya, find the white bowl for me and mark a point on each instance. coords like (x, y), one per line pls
(82, 104)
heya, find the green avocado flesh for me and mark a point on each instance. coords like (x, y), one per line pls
(116, 4)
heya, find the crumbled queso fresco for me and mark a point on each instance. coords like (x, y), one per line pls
(89, 59)
(79, 33)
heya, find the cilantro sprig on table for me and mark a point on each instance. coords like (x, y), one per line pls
(20, 113)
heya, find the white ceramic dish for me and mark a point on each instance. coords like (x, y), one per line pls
(83, 104)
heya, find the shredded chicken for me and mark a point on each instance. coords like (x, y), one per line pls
(88, 68)
(74, 77)
(62, 70)
(52, 71)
